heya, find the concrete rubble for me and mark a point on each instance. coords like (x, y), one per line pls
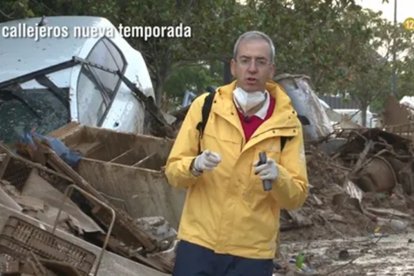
(116, 200)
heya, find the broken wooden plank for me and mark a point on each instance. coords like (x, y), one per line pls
(32, 164)
(388, 212)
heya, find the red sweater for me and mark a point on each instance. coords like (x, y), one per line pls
(250, 124)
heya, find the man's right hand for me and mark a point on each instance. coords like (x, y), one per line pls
(206, 161)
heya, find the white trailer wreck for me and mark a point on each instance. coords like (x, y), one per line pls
(62, 76)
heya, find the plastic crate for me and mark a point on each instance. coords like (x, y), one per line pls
(19, 237)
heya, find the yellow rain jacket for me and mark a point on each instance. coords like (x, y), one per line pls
(226, 209)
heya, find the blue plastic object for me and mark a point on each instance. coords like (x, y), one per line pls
(72, 158)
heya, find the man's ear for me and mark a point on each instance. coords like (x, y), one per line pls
(233, 67)
(272, 71)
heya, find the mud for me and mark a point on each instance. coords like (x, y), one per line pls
(370, 236)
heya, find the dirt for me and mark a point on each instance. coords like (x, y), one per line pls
(385, 255)
(344, 225)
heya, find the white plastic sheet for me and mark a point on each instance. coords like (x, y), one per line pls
(307, 104)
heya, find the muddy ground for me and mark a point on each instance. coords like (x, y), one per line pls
(373, 236)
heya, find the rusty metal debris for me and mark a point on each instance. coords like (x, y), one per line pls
(379, 160)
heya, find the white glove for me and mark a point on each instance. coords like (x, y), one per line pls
(267, 171)
(206, 161)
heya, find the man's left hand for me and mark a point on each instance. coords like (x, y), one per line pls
(267, 171)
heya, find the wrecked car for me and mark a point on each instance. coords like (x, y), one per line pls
(67, 76)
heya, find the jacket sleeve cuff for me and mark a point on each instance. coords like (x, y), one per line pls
(193, 169)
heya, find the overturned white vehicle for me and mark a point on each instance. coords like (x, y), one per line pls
(73, 73)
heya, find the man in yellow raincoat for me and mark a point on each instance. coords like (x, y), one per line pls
(230, 224)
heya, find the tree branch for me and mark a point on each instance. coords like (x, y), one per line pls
(6, 15)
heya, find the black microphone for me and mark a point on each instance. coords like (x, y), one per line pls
(246, 119)
(267, 184)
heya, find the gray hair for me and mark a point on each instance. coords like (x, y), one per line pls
(255, 35)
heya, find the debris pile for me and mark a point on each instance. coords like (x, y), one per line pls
(109, 197)
(109, 189)
(360, 186)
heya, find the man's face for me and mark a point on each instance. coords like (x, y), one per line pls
(252, 67)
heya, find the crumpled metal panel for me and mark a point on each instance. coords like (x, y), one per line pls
(307, 104)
